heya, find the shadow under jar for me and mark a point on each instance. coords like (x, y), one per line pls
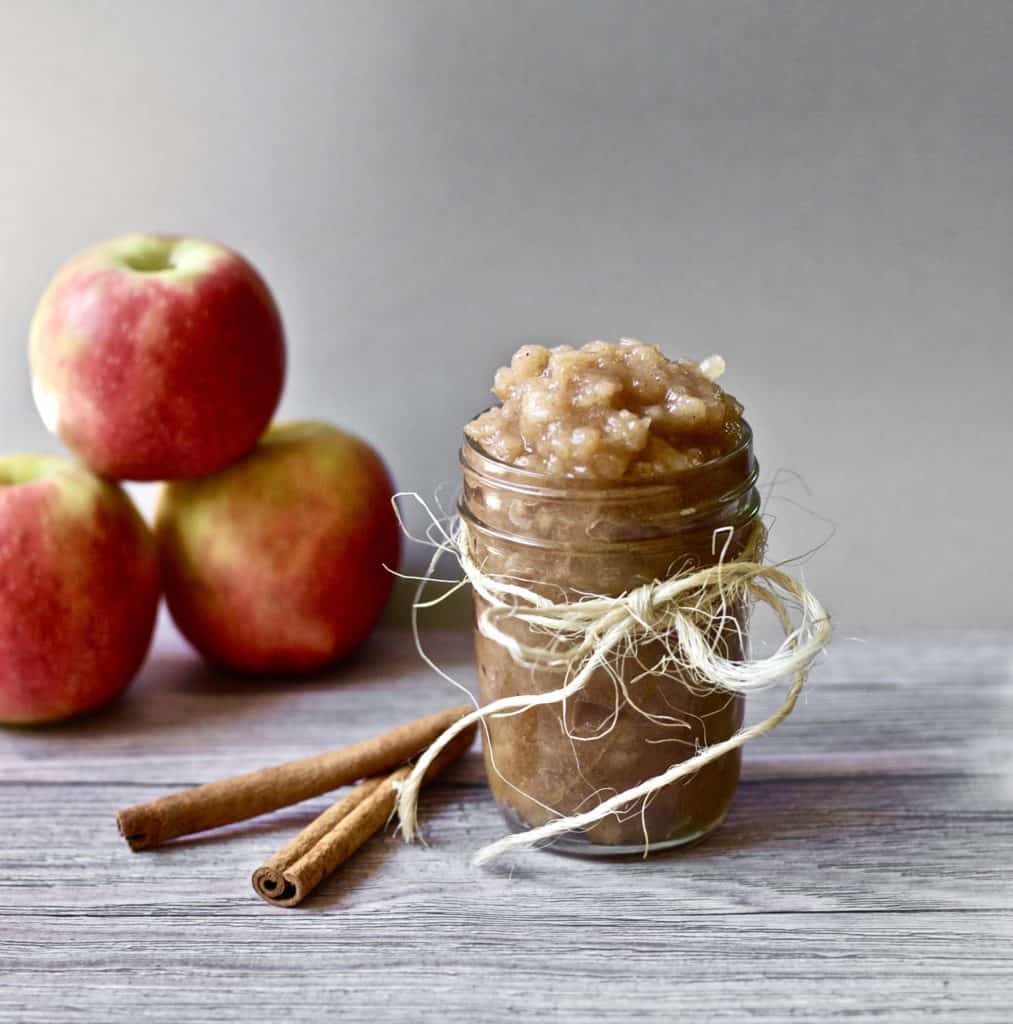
(570, 538)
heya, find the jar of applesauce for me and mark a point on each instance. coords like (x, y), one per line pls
(680, 494)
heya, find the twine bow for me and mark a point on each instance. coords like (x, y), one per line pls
(688, 614)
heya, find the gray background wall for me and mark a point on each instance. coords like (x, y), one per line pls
(821, 191)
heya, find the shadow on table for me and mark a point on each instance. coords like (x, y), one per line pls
(771, 814)
(177, 689)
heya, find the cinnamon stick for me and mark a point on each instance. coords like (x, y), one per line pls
(246, 796)
(295, 871)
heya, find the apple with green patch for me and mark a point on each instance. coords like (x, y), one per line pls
(277, 563)
(156, 357)
(79, 589)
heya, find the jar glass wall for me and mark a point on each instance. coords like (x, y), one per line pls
(570, 538)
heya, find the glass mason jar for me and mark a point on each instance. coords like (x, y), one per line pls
(570, 538)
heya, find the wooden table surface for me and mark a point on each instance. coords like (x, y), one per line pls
(866, 870)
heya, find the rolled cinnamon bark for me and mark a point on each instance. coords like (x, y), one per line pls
(246, 796)
(295, 871)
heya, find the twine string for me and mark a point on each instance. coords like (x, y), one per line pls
(688, 613)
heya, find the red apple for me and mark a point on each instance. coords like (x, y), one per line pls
(276, 564)
(155, 357)
(78, 589)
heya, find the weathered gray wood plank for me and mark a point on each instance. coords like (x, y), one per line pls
(916, 705)
(816, 846)
(866, 869)
(934, 966)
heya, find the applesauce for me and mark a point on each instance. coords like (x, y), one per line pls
(605, 468)
(606, 412)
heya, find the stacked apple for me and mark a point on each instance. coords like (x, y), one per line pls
(163, 358)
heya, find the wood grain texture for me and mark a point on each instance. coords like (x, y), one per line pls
(866, 870)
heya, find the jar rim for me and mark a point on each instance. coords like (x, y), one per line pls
(530, 481)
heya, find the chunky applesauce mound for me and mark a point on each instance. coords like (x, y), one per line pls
(607, 411)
